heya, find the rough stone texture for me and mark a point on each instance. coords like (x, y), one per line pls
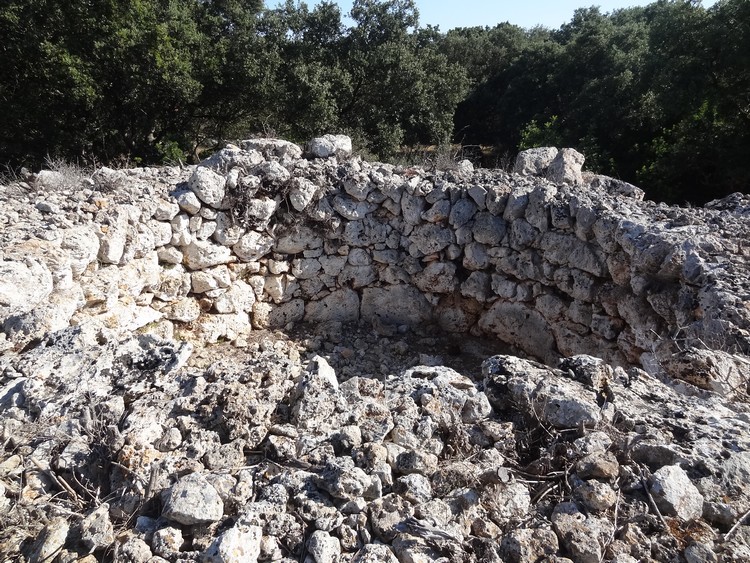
(675, 493)
(565, 168)
(141, 357)
(534, 161)
(208, 185)
(192, 500)
(330, 145)
(239, 544)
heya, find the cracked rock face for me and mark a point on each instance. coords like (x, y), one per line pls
(151, 409)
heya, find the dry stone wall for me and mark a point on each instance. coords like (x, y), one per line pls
(551, 260)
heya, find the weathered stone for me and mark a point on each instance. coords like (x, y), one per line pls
(534, 162)
(431, 238)
(488, 228)
(96, 529)
(301, 193)
(571, 527)
(521, 326)
(208, 186)
(462, 212)
(23, 285)
(395, 305)
(525, 545)
(330, 145)
(270, 316)
(50, 541)
(192, 500)
(252, 246)
(210, 279)
(273, 147)
(297, 241)
(565, 168)
(239, 544)
(437, 277)
(675, 493)
(340, 306)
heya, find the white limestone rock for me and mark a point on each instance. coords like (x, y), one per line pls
(209, 279)
(208, 186)
(534, 162)
(202, 254)
(273, 148)
(184, 310)
(96, 529)
(266, 315)
(188, 202)
(565, 168)
(252, 246)
(23, 285)
(323, 547)
(301, 193)
(238, 298)
(227, 232)
(330, 145)
(239, 544)
(82, 245)
(232, 157)
(675, 494)
(193, 500)
(113, 238)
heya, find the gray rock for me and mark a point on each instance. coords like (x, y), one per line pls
(431, 238)
(528, 545)
(273, 147)
(50, 541)
(208, 186)
(574, 533)
(675, 493)
(534, 162)
(566, 167)
(323, 547)
(339, 306)
(462, 212)
(488, 228)
(437, 277)
(252, 246)
(301, 193)
(193, 500)
(167, 542)
(395, 305)
(239, 544)
(202, 254)
(330, 145)
(375, 553)
(96, 529)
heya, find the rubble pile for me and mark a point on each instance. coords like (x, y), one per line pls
(282, 355)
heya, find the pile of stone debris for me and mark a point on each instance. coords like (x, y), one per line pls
(144, 450)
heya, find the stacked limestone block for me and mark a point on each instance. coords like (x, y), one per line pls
(265, 235)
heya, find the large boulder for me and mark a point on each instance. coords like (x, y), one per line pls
(534, 162)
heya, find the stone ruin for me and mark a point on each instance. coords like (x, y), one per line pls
(145, 385)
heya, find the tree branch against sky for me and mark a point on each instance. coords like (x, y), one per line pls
(448, 14)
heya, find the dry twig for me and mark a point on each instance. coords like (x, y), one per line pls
(736, 526)
(652, 502)
(59, 481)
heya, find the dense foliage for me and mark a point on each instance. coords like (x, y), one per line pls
(657, 95)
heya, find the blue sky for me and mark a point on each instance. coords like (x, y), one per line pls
(526, 13)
